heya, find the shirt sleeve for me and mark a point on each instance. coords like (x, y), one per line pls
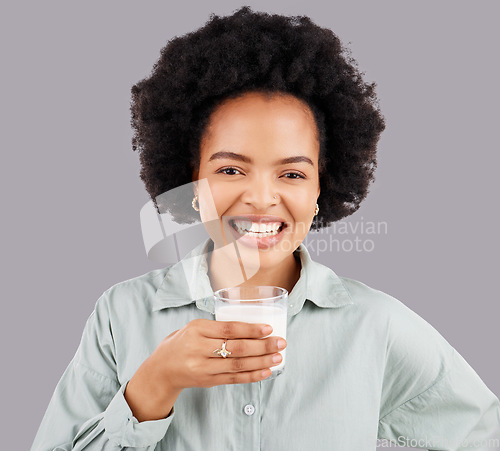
(432, 398)
(88, 410)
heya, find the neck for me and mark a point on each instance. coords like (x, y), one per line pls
(284, 275)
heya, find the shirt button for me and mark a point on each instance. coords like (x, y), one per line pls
(249, 409)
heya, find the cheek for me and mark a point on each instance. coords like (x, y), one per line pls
(301, 206)
(303, 203)
(213, 203)
(222, 197)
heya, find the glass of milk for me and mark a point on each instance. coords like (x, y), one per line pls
(255, 304)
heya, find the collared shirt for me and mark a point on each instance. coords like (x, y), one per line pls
(360, 367)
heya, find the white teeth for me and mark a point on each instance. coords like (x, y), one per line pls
(257, 229)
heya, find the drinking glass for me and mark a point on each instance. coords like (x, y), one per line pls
(255, 304)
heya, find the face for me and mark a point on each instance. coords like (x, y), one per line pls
(259, 155)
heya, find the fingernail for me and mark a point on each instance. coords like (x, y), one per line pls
(277, 358)
(266, 373)
(267, 330)
(281, 344)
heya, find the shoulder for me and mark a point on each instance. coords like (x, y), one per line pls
(368, 297)
(412, 344)
(132, 295)
(416, 354)
(399, 319)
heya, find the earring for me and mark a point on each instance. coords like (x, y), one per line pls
(193, 203)
(316, 210)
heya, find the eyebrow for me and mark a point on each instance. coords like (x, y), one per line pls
(245, 159)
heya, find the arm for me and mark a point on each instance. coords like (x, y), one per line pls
(431, 397)
(88, 410)
(457, 412)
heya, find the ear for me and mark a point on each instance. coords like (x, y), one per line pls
(319, 191)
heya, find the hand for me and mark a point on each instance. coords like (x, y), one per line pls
(185, 359)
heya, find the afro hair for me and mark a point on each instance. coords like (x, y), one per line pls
(255, 51)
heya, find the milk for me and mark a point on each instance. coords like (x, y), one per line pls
(273, 315)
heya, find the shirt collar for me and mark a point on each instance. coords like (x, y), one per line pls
(187, 282)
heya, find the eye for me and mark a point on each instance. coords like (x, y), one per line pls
(229, 171)
(294, 175)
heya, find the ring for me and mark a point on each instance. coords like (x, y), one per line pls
(222, 352)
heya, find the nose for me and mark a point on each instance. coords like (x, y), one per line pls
(260, 193)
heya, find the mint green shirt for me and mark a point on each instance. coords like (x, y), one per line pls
(360, 366)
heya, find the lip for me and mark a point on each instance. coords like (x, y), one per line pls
(253, 241)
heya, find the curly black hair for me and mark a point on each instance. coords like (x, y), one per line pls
(255, 51)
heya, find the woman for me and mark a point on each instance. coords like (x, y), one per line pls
(268, 122)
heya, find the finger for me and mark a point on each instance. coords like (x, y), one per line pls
(219, 365)
(247, 348)
(240, 378)
(232, 329)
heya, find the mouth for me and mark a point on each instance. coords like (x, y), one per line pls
(261, 232)
(257, 229)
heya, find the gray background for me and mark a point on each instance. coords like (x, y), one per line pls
(71, 193)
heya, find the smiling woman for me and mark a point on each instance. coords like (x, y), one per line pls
(275, 131)
(265, 188)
